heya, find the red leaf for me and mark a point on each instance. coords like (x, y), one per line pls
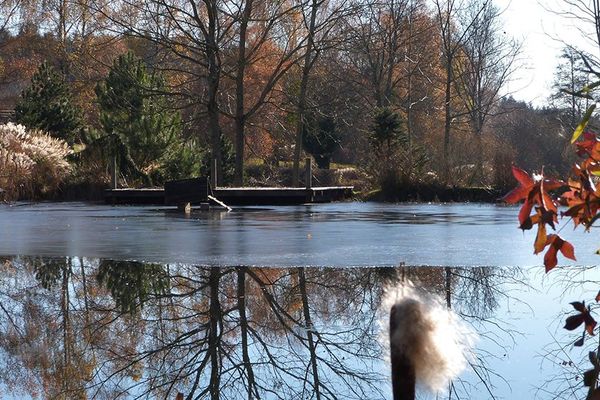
(568, 250)
(521, 176)
(523, 190)
(524, 214)
(550, 259)
(515, 195)
(557, 243)
(598, 297)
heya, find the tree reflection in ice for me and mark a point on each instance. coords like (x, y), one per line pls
(88, 328)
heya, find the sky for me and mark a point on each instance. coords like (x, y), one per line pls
(543, 34)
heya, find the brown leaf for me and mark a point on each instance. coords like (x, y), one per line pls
(590, 323)
(595, 395)
(573, 322)
(540, 239)
(589, 377)
(579, 306)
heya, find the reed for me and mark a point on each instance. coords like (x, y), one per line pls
(31, 162)
(429, 344)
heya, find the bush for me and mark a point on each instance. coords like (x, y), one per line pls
(32, 163)
(183, 160)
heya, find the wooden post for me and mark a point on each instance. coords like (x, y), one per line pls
(113, 172)
(185, 208)
(308, 172)
(403, 371)
(213, 173)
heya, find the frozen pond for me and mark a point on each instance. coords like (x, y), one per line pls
(333, 235)
(141, 302)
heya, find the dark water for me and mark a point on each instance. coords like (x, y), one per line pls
(78, 321)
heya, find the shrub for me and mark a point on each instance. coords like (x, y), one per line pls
(32, 163)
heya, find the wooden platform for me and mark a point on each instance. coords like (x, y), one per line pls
(134, 196)
(239, 196)
(282, 196)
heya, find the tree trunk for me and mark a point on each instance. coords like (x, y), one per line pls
(240, 116)
(301, 108)
(447, 118)
(241, 295)
(66, 326)
(214, 333)
(309, 332)
(213, 81)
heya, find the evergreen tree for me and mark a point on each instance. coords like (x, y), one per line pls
(133, 107)
(320, 139)
(388, 133)
(227, 161)
(46, 105)
(132, 283)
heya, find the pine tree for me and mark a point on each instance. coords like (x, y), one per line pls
(46, 105)
(134, 108)
(321, 139)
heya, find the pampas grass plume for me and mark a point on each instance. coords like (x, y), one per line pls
(431, 336)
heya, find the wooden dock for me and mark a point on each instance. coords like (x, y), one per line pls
(239, 196)
(135, 196)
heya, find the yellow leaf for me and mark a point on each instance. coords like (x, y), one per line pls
(583, 123)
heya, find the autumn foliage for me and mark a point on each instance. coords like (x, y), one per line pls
(542, 196)
(540, 209)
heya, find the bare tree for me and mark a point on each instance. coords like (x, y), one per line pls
(484, 62)
(453, 33)
(258, 25)
(570, 77)
(321, 21)
(586, 17)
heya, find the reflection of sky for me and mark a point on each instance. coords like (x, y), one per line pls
(532, 367)
(342, 234)
(524, 335)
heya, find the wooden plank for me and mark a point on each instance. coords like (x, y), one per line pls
(282, 196)
(135, 196)
(233, 196)
(194, 190)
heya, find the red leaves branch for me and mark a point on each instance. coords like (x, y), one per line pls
(535, 193)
